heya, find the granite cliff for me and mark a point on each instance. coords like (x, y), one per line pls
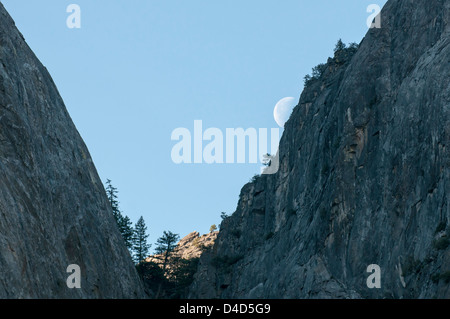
(364, 177)
(190, 246)
(53, 207)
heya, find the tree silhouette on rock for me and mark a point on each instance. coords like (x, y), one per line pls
(165, 245)
(123, 222)
(140, 246)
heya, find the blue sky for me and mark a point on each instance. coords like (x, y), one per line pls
(136, 70)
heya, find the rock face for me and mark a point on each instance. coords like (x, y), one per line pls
(190, 246)
(364, 178)
(53, 207)
(193, 245)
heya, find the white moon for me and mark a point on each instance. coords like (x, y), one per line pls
(283, 110)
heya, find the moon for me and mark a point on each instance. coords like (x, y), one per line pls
(283, 110)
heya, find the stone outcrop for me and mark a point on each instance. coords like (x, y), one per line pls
(53, 207)
(191, 246)
(364, 178)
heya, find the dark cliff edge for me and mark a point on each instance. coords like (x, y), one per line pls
(364, 178)
(53, 207)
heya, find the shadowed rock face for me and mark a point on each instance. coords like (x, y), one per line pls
(364, 178)
(53, 207)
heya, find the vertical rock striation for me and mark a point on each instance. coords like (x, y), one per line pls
(364, 178)
(53, 207)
